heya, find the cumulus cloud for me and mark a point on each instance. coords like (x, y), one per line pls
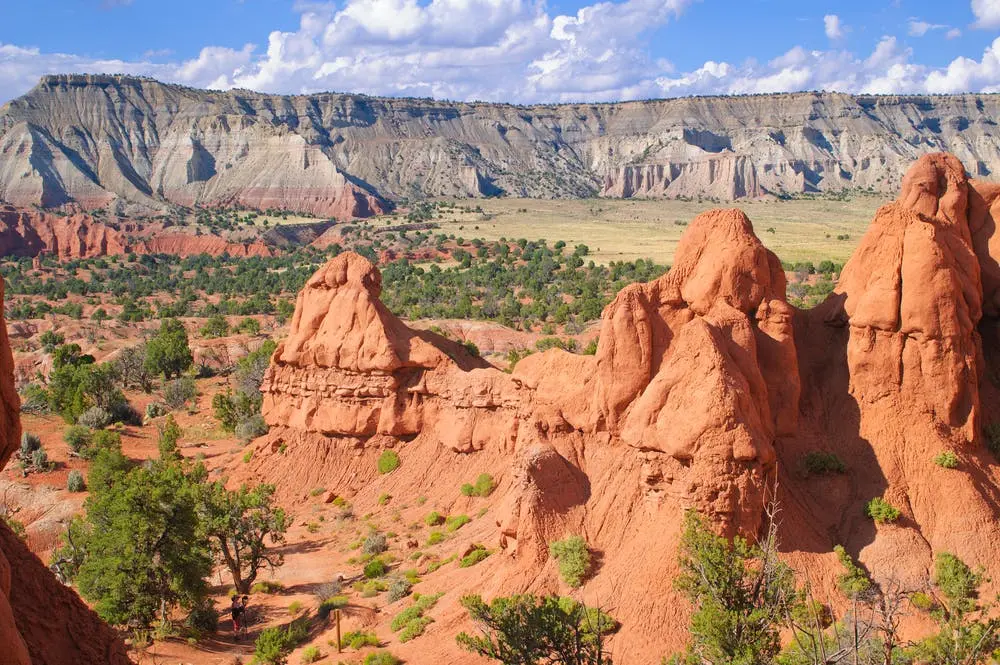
(515, 51)
(987, 13)
(918, 28)
(833, 27)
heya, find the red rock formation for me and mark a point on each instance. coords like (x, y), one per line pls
(30, 233)
(188, 244)
(707, 391)
(42, 622)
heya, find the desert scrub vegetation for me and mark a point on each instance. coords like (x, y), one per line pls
(374, 543)
(573, 557)
(399, 588)
(483, 486)
(434, 518)
(274, 644)
(456, 522)
(75, 482)
(357, 639)
(310, 655)
(474, 556)
(381, 658)
(946, 460)
(819, 463)
(375, 568)
(411, 622)
(388, 462)
(546, 629)
(882, 511)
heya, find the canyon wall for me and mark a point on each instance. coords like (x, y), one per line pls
(42, 622)
(134, 143)
(707, 391)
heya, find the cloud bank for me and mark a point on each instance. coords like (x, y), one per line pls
(517, 51)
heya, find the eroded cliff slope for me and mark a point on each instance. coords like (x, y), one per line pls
(98, 140)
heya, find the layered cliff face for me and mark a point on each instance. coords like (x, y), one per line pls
(707, 391)
(100, 140)
(42, 622)
(33, 232)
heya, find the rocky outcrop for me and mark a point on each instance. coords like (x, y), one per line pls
(707, 391)
(42, 622)
(189, 244)
(32, 232)
(103, 140)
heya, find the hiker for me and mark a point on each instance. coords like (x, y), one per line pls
(236, 610)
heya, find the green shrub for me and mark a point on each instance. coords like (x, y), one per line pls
(818, 463)
(477, 554)
(375, 568)
(946, 460)
(274, 644)
(414, 628)
(155, 410)
(384, 499)
(381, 658)
(881, 510)
(434, 518)
(331, 604)
(399, 588)
(251, 427)
(435, 537)
(573, 557)
(95, 418)
(203, 618)
(456, 522)
(357, 639)
(29, 444)
(294, 607)
(406, 616)
(311, 654)
(77, 437)
(992, 432)
(483, 487)
(266, 587)
(375, 543)
(388, 462)
(75, 482)
(179, 392)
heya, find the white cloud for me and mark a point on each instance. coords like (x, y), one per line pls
(918, 28)
(832, 26)
(987, 13)
(954, 33)
(515, 51)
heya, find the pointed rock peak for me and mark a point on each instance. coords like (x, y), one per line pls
(937, 187)
(350, 270)
(720, 258)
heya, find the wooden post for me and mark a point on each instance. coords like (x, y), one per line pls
(338, 630)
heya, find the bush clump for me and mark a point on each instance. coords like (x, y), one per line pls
(818, 463)
(573, 557)
(274, 644)
(375, 543)
(77, 437)
(483, 486)
(311, 655)
(95, 418)
(203, 618)
(375, 568)
(882, 511)
(946, 460)
(357, 639)
(381, 658)
(330, 604)
(75, 482)
(251, 428)
(434, 519)
(399, 588)
(456, 522)
(388, 462)
(477, 554)
(179, 392)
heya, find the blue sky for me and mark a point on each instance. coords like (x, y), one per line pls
(513, 50)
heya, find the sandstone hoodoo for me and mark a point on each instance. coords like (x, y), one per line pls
(707, 391)
(137, 144)
(42, 622)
